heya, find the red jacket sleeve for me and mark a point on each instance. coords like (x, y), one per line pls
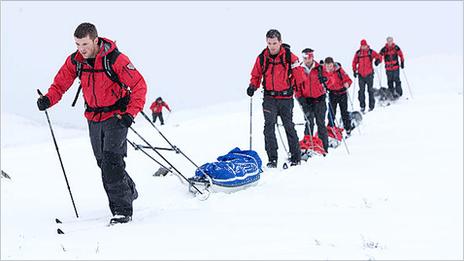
(62, 82)
(400, 54)
(134, 80)
(166, 106)
(297, 70)
(377, 56)
(256, 74)
(355, 62)
(346, 78)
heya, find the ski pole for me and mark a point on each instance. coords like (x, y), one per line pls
(159, 154)
(59, 157)
(407, 82)
(251, 122)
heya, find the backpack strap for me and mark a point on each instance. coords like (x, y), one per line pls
(108, 61)
(264, 62)
(78, 75)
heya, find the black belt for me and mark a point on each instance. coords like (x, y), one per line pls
(288, 92)
(120, 105)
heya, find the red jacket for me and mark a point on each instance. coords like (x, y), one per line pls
(158, 107)
(310, 87)
(276, 77)
(336, 79)
(362, 61)
(390, 55)
(97, 88)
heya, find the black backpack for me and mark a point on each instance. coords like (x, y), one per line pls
(369, 53)
(107, 61)
(264, 62)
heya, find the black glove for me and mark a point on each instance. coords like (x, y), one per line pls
(377, 62)
(251, 90)
(355, 74)
(43, 102)
(402, 65)
(126, 120)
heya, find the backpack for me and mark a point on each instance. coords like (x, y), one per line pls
(369, 53)
(107, 61)
(264, 62)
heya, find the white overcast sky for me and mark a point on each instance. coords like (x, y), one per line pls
(198, 53)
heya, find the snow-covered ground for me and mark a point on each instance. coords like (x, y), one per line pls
(397, 195)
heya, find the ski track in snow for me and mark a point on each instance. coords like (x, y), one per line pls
(397, 195)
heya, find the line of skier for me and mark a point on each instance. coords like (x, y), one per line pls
(283, 77)
(115, 92)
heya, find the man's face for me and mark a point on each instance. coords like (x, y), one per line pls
(364, 47)
(329, 67)
(274, 45)
(390, 41)
(87, 47)
(308, 60)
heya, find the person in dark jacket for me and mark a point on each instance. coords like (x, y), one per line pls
(277, 66)
(110, 109)
(392, 55)
(157, 109)
(311, 95)
(362, 68)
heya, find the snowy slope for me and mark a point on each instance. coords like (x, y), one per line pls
(398, 195)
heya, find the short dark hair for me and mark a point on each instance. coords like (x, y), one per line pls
(328, 60)
(307, 50)
(273, 33)
(85, 29)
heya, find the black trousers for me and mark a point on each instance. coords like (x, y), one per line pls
(158, 115)
(369, 81)
(394, 83)
(284, 108)
(342, 101)
(108, 139)
(315, 109)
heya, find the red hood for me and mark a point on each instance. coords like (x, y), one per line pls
(106, 46)
(390, 47)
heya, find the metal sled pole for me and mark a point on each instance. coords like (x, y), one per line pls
(141, 148)
(169, 163)
(176, 149)
(59, 157)
(282, 140)
(335, 124)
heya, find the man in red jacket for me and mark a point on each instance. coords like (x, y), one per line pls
(277, 66)
(157, 109)
(311, 95)
(362, 67)
(338, 84)
(105, 98)
(390, 53)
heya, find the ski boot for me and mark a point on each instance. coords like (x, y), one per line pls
(272, 164)
(120, 219)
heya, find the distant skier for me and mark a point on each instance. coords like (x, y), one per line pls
(311, 95)
(362, 67)
(338, 84)
(390, 53)
(276, 66)
(157, 109)
(104, 97)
